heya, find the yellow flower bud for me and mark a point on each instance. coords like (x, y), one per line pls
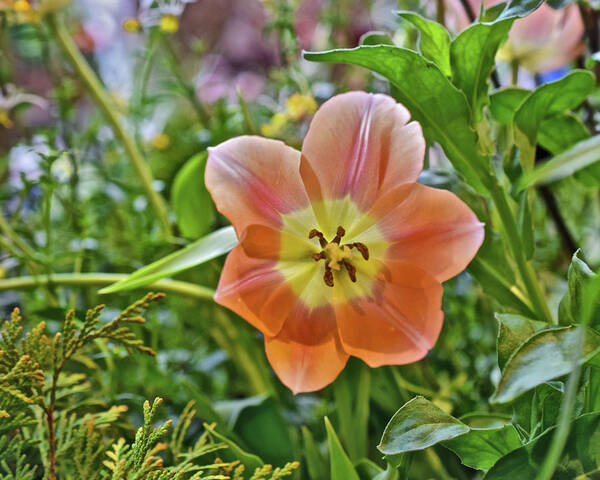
(132, 25)
(275, 126)
(299, 106)
(21, 6)
(161, 141)
(169, 24)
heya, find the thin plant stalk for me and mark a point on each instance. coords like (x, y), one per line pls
(102, 99)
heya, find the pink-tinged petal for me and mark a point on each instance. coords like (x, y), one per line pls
(307, 354)
(259, 241)
(254, 290)
(360, 144)
(254, 180)
(399, 323)
(430, 228)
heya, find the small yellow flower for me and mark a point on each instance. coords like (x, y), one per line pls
(161, 141)
(169, 24)
(299, 106)
(132, 25)
(275, 126)
(22, 6)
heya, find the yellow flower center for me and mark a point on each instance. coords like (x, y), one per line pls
(22, 6)
(336, 255)
(169, 23)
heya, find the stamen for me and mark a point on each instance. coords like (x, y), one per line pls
(362, 248)
(328, 277)
(338, 236)
(318, 256)
(350, 269)
(315, 233)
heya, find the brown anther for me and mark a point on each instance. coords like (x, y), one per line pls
(340, 232)
(318, 256)
(328, 277)
(315, 233)
(362, 248)
(350, 269)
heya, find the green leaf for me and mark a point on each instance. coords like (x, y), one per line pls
(198, 252)
(519, 8)
(581, 155)
(421, 86)
(525, 223)
(368, 470)
(376, 38)
(483, 447)
(418, 424)
(434, 40)
(547, 100)
(546, 355)
(473, 57)
(504, 103)
(192, 204)
(570, 307)
(581, 453)
(341, 466)
(561, 131)
(513, 331)
(314, 461)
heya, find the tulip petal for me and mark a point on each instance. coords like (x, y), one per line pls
(256, 291)
(427, 227)
(307, 354)
(259, 241)
(360, 144)
(255, 180)
(399, 323)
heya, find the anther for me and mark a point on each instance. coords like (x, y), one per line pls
(315, 233)
(351, 270)
(362, 248)
(318, 256)
(328, 277)
(340, 232)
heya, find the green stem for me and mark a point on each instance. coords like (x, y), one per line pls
(516, 247)
(95, 88)
(103, 279)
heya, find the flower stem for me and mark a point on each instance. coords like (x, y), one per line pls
(516, 247)
(102, 279)
(102, 99)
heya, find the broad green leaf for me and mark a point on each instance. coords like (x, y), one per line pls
(561, 131)
(191, 201)
(250, 415)
(432, 100)
(547, 100)
(198, 252)
(519, 8)
(315, 463)
(546, 355)
(473, 54)
(418, 424)
(504, 103)
(581, 453)
(570, 308)
(434, 40)
(341, 466)
(513, 331)
(376, 38)
(579, 156)
(482, 447)
(485, 419)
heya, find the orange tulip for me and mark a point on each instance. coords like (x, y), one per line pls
(341, 251)
(545, 40)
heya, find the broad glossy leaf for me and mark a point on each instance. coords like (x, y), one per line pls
(513, 331)
(434, 40)
(504, 103)
(546, 355)
(547, 100)
(519, 8)
(473, 54)
(418, 424)
(191, 201)
(581, 453)
(432, 100)
(198, 252)
(482, 447)
(376, 38)
(570, 308)
(561, 131)
(581, 155)
(341, 466)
